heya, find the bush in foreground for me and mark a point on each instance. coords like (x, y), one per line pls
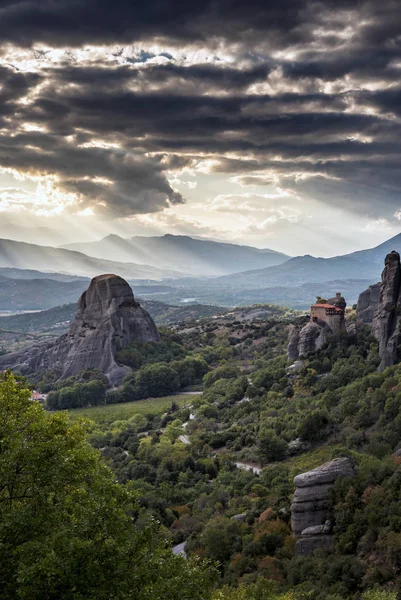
(67, 529)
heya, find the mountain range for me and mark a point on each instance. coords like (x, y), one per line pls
(364, 264)
(38, 294)
(21, 255)
(182, 253)
(37, 277)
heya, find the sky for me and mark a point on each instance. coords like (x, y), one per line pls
(272, 124)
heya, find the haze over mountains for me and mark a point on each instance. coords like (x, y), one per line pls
(36, 277)
(47, 258)
(38, 294)
(364, 264)
(182, 253)
(43, 236)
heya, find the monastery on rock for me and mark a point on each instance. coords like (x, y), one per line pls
(331, 312)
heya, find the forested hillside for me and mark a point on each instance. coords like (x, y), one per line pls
(217, 472)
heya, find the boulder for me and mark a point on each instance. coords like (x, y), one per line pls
(386, 319)
(326, 473)
(318, 529)
(308, 545)
(108, 318)
(298, 445)
(368, 302)
(240, 517)
(338, 301)
(312, 493)
(313, 336)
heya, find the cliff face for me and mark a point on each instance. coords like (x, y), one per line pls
(386, 319)
(311, 502)
(313, 337)
(310, 338)
(368, 302)
(293, 342)
(108, 318)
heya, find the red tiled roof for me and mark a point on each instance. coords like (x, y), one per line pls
(325, 306)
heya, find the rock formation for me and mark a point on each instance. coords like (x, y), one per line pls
(311, 502)
(310, 338)
(108, 318)
(368, 303)
(386, 319)
(293, 341)
(338, 301)
(313, 337)
(326, 320)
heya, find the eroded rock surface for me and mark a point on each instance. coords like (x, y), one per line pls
(386, 319)
(313, 336)
(368, 302)
(311, 502)
(293, 341)
(108, 318)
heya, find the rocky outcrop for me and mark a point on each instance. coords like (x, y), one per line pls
(313, 336)
(326, 320)
(293, 341)
(368, 302)
(338, 301)
(309, 544)
(108, 318)
(386, 319)
(311, 502)
(310, 338)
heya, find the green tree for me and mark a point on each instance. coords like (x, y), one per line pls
(271, 447)
(314, 426)
(221, 538)
(378, 594)
(151, 381)
(67, 530)
(174, 430)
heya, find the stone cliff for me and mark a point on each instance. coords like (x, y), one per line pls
(293, 342)
(309, 338)
(387, 317)
(311, 502)
(368, 303)
(108, 318)
(313, 336)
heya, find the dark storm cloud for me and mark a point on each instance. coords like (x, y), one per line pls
(13, 86)
(74, 22)
(311, 133)
(311, 88)
(362, 62)
(136, 184)
(174, 78)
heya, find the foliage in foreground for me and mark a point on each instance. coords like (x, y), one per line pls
(67, 529)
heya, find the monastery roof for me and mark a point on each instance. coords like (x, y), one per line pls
(326, 306)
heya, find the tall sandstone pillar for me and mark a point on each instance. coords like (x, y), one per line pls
(387, 318)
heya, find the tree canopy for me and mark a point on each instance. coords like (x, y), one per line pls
(68, 530)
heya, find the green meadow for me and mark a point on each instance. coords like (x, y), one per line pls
(108, 413)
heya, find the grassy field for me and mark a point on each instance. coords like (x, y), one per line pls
(103, 415)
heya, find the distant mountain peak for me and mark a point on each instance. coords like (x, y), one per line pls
(192, 256)
(113, 236)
